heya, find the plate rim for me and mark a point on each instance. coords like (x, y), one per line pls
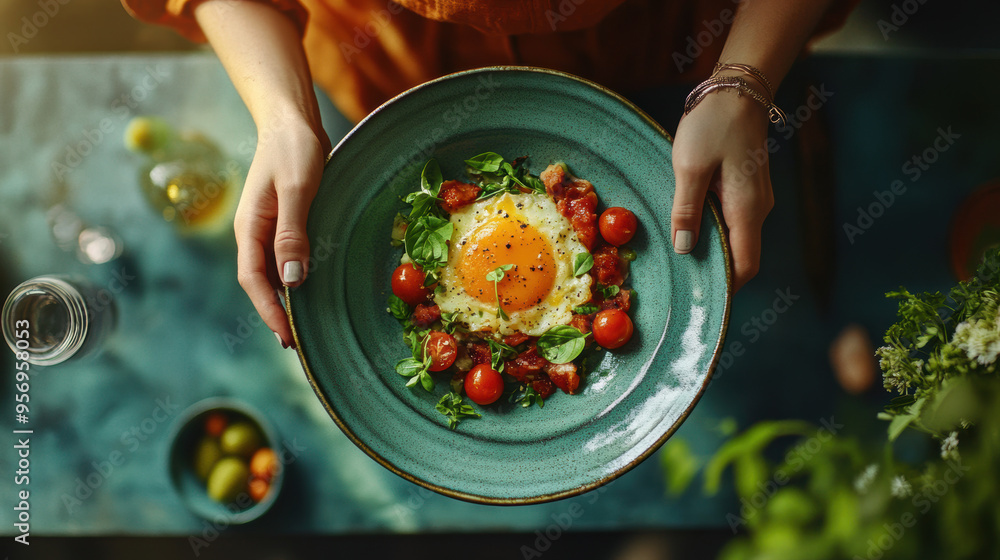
(576, 490)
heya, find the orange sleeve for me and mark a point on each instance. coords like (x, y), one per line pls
(515, 17)
(179, 14)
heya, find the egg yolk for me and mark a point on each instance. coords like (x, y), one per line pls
(501, 240)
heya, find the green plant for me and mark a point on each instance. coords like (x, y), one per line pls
(831, 496)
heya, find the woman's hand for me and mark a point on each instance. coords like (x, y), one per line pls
(721, 146)
(262, 51)
(270, 222)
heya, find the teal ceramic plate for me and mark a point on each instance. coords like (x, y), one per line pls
(633, 399)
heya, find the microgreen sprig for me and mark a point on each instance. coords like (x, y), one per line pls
(453, 406)
(495, 276)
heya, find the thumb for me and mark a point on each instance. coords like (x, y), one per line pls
(291, 245)
(689, 198)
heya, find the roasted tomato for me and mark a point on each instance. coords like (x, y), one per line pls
(564, 376)
(618, 225)
(576, 200)
(483, 384)
(527, 366)
(425, 315)
(442, 349)
(408, 284)
(612, 328)
(479, 352)
(456, 194)
(515, 339)
(608, 267)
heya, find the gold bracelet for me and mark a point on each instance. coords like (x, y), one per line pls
(749, 71)
(774, 113)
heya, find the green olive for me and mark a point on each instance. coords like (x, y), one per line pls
(241, 438)
(205, 456)
(228, 480)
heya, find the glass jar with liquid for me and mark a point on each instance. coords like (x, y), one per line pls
(55, 318)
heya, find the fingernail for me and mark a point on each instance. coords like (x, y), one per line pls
(292, 273)
(283, 345)
(683, 241)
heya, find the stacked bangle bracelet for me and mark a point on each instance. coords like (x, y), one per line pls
(774, 113)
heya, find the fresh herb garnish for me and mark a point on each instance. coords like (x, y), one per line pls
(488, 162)
(495, 176)
(586, 309)
(495, 276)
(527, 397)
(499, 353)
(450, 322)
(561, 344)
(454, 408)
(426, 242)
(416, 367)
(582, 263)
(608, 292)
(430, 178)
(398, 308)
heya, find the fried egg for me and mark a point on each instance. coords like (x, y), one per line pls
(539, 290)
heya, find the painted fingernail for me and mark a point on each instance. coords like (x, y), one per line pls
(683, 241)
(278, 336)
(292, 273)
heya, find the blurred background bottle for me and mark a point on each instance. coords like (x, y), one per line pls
(186, 178)
(55, 318)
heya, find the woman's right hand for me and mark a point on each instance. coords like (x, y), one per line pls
(270, 224)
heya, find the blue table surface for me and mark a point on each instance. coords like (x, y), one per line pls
(186, 330)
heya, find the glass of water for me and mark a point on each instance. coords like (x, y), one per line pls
(55, 318)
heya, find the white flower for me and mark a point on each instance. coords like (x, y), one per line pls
(949, 446)
(892, 361)
(865, 479)
(900, 487)
(979, 340)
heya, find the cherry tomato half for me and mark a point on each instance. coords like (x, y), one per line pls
(612, 328)
(408, 284)
(443, 349)
(618, 225)
(483, 384)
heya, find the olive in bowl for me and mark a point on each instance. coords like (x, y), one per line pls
(223, 461)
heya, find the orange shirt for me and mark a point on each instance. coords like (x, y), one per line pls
(363, 52)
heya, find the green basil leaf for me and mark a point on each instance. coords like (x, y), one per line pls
(610, 291)
(413, 381)
(582, 263)
(426, 242)
(627, 254)
(423, 205)
(408, 367)
(586, 309)
(561, 344)
(430, 178)
(398, 308)
(488, 162)
(535, 184)
(426, 381)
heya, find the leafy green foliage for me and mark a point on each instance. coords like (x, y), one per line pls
(455, 409)
(829, 496)
(561, 344)
(426, 242)
(582, 263)
(938, 338)
(495, 176)
(527, 397)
